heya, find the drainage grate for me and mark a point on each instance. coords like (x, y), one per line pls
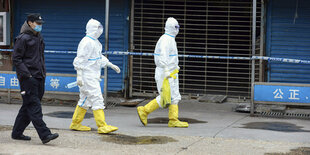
(284, 115)
(113, 101)
(212, 98)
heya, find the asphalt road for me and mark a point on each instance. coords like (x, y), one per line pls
(214, 129)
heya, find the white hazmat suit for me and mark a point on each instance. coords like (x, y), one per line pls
(88, 64)
(166, 60)
(90, 61)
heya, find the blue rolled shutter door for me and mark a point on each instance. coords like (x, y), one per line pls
(64, 27)
(288, 36)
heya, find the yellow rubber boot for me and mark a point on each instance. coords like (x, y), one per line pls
(143, 111)
(77, 118)
(100, 121)
(173, 117)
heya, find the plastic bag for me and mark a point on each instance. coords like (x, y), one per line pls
(165, 92)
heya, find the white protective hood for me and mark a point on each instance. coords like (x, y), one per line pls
(172, 26)
(94, 28)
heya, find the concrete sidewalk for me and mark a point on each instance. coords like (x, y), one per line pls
(208, 122)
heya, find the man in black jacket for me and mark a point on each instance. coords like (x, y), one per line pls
(28, 58)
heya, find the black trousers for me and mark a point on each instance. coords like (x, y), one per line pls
(32, 91)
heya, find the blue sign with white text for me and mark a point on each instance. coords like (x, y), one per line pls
(280, 93)
(9, 81)
(52, 83)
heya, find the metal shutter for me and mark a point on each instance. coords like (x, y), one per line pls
(288, 36)
(64, 27)
(207, 27)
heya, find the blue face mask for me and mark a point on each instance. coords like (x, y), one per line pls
(38, 28)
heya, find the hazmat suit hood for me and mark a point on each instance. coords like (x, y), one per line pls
(94, 28)
(172, 26)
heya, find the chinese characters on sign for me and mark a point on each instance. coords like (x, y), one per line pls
(278, 93)
(54, 83)
(282, 92)
(2, 81)
(14, 82)
(294, 93)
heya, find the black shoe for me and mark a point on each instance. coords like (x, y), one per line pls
(21, 137)
(49, 138)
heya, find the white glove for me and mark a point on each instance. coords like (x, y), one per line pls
(114, 67)
(79, 79)
(167, 73)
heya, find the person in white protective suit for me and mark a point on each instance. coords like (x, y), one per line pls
(166, 60)
(88, 64)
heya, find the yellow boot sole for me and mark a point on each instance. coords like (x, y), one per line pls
(107, 129)
(177, 124)
(79, 127)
